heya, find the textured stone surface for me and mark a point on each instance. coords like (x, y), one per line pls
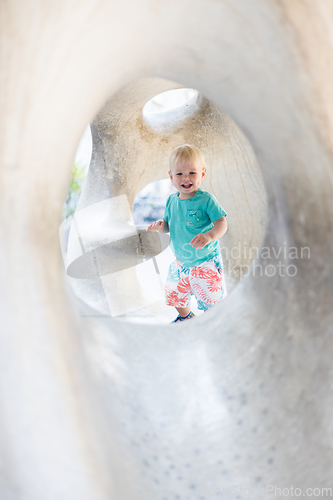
(92, 408)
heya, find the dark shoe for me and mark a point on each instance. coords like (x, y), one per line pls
(182, 318)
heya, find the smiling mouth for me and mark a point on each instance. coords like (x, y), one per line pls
(186, 186)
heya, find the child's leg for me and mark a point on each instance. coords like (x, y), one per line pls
(177, 288)
(183, 311)
(206, 282)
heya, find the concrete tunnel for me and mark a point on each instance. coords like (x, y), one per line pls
(131, 150)
(97, 407)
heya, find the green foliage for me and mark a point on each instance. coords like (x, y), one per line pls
(79, 174)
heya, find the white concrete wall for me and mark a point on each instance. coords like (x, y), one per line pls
(93, 408)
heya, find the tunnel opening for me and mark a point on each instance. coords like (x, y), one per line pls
(114, 266)
(167, 110)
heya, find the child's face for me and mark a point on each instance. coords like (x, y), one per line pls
(187, 177)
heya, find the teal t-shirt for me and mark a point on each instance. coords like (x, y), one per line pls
(186, 219)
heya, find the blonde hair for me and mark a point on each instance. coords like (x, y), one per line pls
(185, 153)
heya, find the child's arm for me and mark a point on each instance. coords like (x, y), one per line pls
(160, 225)
(202, 239)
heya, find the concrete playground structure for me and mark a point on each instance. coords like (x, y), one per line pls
(97, 408)
(130, 150)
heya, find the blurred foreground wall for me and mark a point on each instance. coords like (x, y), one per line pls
(95, 408)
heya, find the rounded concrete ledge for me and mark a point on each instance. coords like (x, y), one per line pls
(93, 407)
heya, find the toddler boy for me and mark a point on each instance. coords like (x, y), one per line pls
(195, 221)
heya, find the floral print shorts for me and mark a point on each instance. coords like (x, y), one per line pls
(204, 281)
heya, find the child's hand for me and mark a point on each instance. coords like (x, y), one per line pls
(201, 240)
(155, 226)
